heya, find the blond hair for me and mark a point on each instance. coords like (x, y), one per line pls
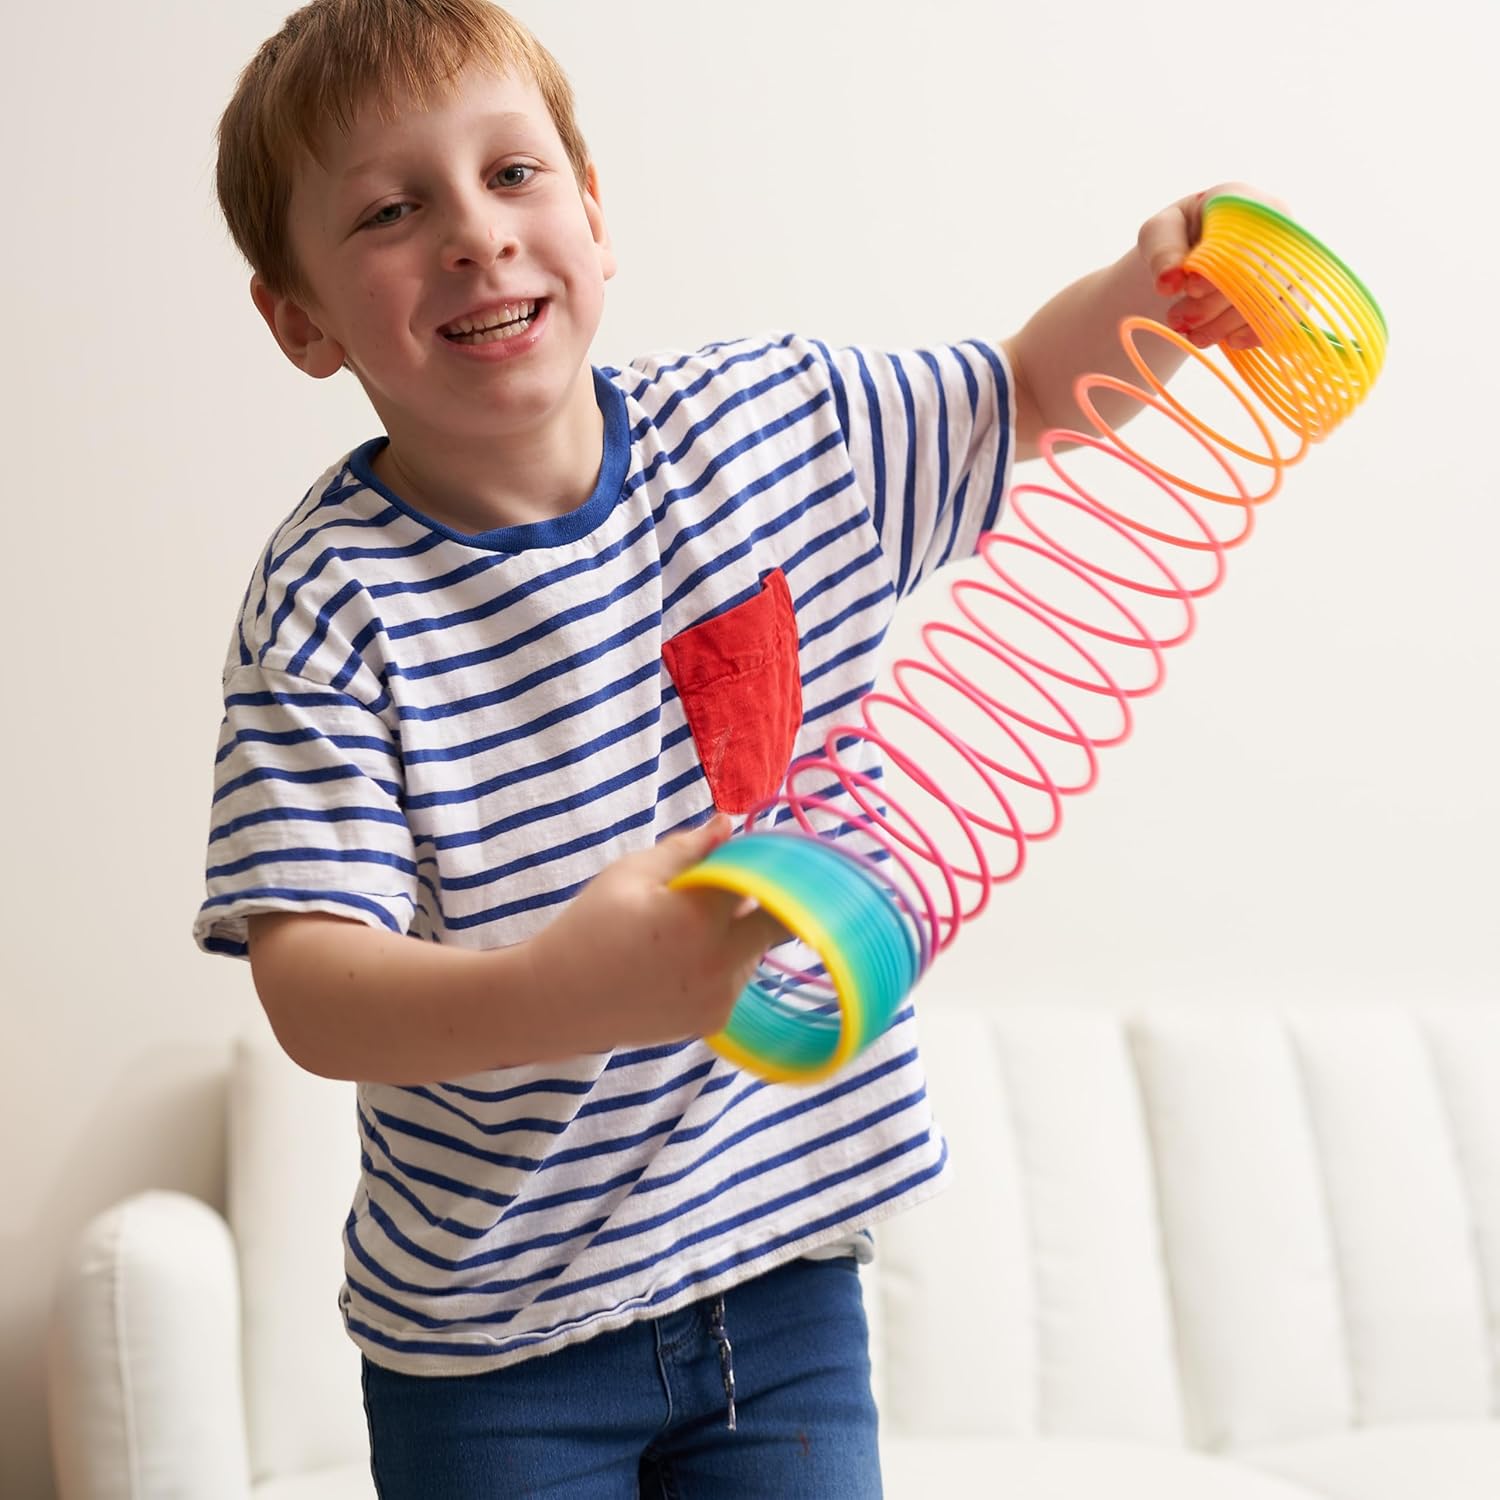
(334, 58)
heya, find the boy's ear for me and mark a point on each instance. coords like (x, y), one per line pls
(593, 207)
(294, 329)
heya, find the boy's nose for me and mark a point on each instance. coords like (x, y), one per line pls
(478, 239)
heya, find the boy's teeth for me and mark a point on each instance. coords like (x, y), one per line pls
(511, 319)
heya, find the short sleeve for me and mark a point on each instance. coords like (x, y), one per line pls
(930, 436)
(306, 811)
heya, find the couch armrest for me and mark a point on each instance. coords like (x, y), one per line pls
(144, 1357)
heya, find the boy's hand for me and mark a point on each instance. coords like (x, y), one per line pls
(1200, 312)
(642, 963)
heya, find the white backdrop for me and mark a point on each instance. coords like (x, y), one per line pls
(1307, 809)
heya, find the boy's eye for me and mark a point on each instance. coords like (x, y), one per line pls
(390, 213)
(517, 174)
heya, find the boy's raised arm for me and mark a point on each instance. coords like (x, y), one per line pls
(1077, 331)
(630, 962)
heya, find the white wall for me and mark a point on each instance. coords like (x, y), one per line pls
(1309, 806)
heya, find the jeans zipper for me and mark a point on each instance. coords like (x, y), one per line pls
(726, 1353)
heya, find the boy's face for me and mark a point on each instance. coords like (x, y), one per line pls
(453, 263)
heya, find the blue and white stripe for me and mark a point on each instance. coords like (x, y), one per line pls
(447, 736)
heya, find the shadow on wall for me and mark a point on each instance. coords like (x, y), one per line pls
(161, 1126)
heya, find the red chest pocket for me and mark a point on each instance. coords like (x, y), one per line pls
(740, 681)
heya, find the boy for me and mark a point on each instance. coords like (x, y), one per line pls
(501, 675)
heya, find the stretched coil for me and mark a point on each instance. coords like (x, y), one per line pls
(867, 888)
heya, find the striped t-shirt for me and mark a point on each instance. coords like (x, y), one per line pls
(447, 735)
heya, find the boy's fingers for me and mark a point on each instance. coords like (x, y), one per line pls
(1231, 320)
(1166, 238)
(681, 851)
(1190, 210)
(1190, 312)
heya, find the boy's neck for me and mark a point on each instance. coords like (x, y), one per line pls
(512, 480)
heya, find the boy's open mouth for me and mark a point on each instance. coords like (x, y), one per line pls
(503, 322)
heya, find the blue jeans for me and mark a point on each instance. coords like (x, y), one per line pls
(645, 1410)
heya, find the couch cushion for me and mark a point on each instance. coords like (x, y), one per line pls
(1244, 1222)
(293, 1166)
(1465, 1043)
(981, 1468)
(1031, 1296)
(1330, 1207)
(1413, 1304)
(1419, 1461)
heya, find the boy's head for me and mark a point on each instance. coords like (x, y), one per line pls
(334, 59)
(410, 186)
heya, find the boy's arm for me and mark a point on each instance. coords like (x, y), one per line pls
(1077, 331)
(630, 963)
(350, 1001)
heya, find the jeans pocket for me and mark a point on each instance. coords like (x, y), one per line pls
(739, 677)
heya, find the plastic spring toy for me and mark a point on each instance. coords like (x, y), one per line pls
(861, 904)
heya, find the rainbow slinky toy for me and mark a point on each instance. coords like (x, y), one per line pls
(870, 918)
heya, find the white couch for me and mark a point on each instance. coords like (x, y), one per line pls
(1242, 1255)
